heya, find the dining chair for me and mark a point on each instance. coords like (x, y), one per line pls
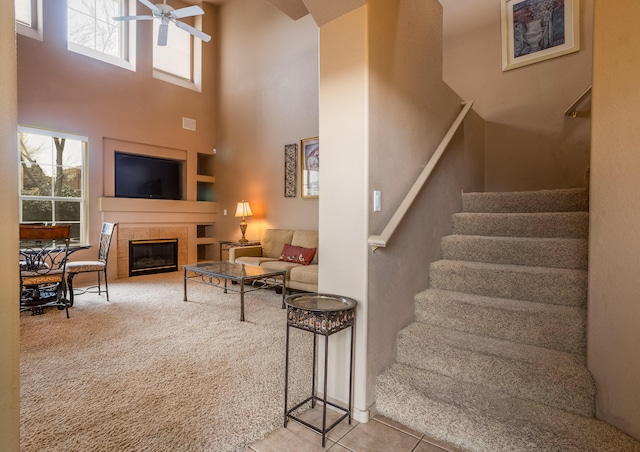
(99, 265)
(43, 257)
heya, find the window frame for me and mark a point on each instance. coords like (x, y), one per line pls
(83, 200)
(195, 83)
(128, 61)
(34, 30)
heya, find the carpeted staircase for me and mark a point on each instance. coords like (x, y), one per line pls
(495, 360)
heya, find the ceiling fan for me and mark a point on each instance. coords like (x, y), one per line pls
(168, 14)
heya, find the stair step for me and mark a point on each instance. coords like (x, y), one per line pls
(565, 200)
(553, 224)
(532, 373)
(539, 284)
(544, 325)
(476, 418)
(536, 252)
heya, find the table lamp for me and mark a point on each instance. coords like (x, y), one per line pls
(243, 210)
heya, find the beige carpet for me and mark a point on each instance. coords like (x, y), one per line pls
(147, 371)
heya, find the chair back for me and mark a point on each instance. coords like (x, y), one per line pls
(43, 249)
(105, 241)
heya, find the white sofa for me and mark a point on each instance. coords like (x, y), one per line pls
(267, 255)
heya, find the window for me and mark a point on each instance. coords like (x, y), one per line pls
(52, 179)
(28, 14)
(180, 61)
(91, 31)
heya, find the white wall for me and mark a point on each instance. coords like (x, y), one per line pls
(614, 244)
(9, 282)
(529, 143)
(343, 198)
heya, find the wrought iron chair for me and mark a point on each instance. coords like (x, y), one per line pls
(43, 257)
(99, 265)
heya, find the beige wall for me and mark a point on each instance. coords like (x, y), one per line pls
(410, 111)
(268, 98)
(64, 91)
(529, 142)
(614, 245)
(9, 283)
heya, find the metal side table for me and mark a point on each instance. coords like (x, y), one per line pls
(320, 314)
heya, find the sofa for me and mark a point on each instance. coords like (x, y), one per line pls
(294, 251)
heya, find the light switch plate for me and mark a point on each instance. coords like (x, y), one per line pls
(377, 201)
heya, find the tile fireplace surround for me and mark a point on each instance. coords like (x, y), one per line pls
(141, 219)
(127, 233)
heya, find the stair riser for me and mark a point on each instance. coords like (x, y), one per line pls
(570, 389)
(553, 286)
(552, 253)
(565, 332)
(571, 200)
(549, 225)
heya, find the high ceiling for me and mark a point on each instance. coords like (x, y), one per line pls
(322, 11)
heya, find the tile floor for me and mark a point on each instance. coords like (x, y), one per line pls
(379, 434)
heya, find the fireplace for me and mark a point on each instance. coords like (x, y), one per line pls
(153, 256)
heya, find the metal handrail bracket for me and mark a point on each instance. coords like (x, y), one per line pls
(378, 241)
(572, 109)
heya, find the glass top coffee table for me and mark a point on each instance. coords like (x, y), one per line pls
(247, 278)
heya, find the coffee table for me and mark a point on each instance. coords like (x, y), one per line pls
(248, 278)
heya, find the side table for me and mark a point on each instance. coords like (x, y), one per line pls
(320, 314)
(226, 244)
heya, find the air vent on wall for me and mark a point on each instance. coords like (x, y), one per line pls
(188, 123)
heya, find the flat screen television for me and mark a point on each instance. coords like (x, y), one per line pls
(139, 176)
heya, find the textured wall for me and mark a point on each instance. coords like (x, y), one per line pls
(268, 98)
(529, 143)
(64, 91)
(614, 245)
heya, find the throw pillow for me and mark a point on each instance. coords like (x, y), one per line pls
(297, 254)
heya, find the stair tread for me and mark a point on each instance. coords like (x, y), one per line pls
(527, 251)
(539, 284)
(558, 200)
(522, 224)
(478, 418)
(552, 326)
(556, 378)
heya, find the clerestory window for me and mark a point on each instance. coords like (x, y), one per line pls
(52, 179)
(91, 31)
(180, 61)
(29, 18)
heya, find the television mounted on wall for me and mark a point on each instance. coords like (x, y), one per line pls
(141, 176)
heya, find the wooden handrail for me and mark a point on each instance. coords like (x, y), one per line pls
(572, 109)
(377, 241)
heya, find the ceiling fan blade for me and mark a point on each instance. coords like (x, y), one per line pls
(162, 34)
(151, 6)
(133, 18)
(194, 31)
(188, 12)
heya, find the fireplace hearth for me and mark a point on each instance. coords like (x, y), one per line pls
(153, 256)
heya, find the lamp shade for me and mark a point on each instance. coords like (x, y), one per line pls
(244, 210)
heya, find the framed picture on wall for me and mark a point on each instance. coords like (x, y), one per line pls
(310, 167)
(290, 170)
(537, 30)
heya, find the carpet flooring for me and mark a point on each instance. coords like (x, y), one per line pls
(147, 371)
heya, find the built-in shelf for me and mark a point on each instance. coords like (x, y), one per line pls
(205, 242)
(204, 178)
(205, 164)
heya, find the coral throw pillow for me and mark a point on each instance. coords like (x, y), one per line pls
(297, 254)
